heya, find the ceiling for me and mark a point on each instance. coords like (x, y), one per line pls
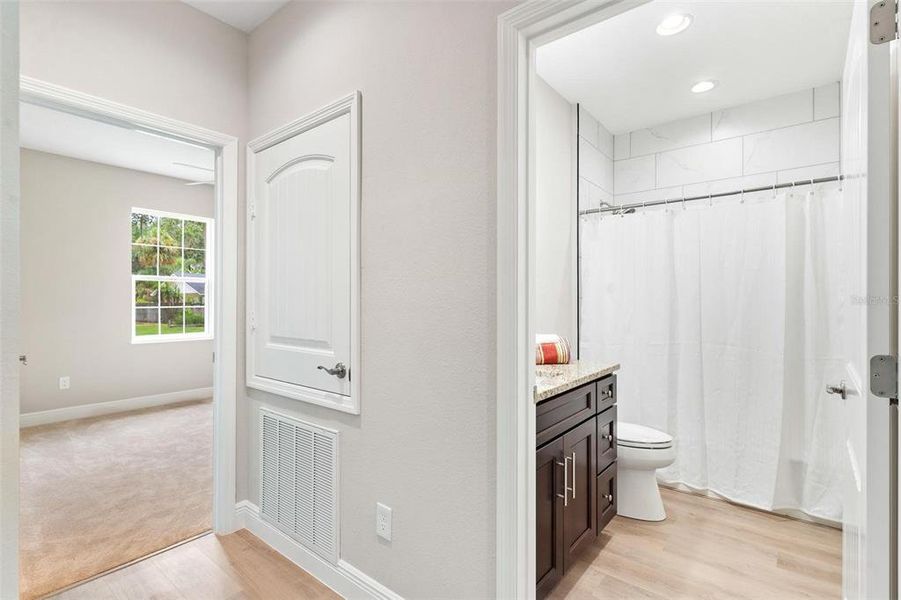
(57, 132)
(629, 77)
(240, 14)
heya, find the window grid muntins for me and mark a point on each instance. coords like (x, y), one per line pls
(170, 276)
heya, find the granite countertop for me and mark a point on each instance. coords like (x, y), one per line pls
(551, 380)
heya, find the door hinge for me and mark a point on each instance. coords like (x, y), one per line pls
(253, 321)
(253, 210)
(884, 21)
(884, 376)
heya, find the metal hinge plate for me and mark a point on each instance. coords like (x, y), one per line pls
(884, 376)
(883, 22)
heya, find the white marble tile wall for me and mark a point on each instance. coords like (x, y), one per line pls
(774, 140)
(596, 177)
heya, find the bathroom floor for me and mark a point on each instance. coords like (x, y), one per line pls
(708, 548)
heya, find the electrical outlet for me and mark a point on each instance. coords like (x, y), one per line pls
(64, 383)
(383, 521)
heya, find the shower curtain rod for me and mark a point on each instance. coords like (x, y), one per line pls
(624, 207)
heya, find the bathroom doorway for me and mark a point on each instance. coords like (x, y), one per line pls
(730, 239)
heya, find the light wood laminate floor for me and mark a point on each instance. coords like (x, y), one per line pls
(708, 549)
(231, 567)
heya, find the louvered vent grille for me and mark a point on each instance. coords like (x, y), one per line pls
(299, 481)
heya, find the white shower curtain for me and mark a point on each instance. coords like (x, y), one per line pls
(727, 322)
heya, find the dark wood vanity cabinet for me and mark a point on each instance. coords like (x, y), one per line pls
(575, 475)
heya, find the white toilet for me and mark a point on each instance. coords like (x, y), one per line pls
(640, 452)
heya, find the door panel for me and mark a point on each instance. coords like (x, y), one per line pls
(580, 515)
(548, 516)
(869, 130)
(301, 227)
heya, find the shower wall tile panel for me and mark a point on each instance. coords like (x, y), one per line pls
(621, 146)
(792, 137)
(791, 147)
(781, 111)
(705, 162)
(826, 100)
(677, 134)
(634, 174)
(595, 162)
(595, 166)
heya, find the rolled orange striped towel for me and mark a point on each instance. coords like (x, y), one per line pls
(551, 349)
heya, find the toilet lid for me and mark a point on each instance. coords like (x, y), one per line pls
(639, 436)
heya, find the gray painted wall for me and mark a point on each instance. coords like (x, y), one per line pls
(425, 441)
(76, 285)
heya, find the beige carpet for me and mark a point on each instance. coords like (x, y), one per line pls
(97, 493)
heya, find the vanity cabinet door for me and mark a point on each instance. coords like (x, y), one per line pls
(580, 510)
(549, 516)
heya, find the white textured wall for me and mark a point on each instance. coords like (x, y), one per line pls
(791, 137)
(425, 441)
(76, 285)
(555, 214)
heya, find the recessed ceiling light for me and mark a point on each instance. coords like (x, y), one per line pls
(703, 86)
(674, 24)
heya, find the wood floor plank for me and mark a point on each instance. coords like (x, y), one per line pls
(708, 549)
(232, 567)
(141, 581)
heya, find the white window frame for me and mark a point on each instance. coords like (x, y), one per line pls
(207, 279)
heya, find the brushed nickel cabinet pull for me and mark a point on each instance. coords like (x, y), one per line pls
(574, 475)
(566, 487)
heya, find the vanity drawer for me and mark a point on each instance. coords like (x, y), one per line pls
(606, 392)
(561, 413)
(606, 438)
(606, 497)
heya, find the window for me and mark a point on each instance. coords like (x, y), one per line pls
(170, 272)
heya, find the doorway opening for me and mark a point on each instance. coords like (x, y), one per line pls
(128, 295)
(693, 223)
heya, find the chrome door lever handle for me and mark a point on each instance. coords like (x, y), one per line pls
(841, 390)
(339, 370)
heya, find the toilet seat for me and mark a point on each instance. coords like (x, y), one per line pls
(631, 435)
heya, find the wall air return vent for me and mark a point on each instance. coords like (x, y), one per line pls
(299, 481)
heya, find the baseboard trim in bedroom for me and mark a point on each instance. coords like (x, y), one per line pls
(343, 578)
(97, 409)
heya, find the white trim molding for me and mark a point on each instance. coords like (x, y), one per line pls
(342, 577)
(351, 105)
(96, 409)
(520, 31)
(225, 272)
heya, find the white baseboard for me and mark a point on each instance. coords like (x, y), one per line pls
(343, 578)
(114, 406)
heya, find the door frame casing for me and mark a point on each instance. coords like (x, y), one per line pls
(350, 105)
(520, 31)
(225, 278)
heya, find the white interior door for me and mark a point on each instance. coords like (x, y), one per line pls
(301, 313)
(869, 195)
